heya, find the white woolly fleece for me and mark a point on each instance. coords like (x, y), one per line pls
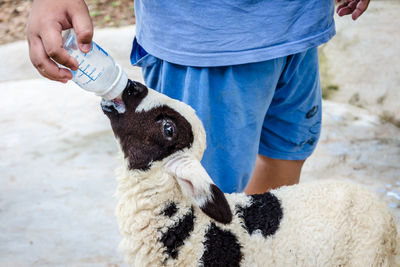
(324, 223)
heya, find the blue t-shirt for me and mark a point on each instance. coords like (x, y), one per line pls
(228, 32)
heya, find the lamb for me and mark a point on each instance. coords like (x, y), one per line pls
(170, 213)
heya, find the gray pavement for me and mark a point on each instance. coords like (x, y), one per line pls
(57, 162)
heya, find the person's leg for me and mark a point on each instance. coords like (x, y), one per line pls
(272, 173)
(292, 125)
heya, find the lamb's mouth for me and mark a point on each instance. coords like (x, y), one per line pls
(115, 106)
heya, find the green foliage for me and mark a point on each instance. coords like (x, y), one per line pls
(328, 89)
(94, 13)
(107, 18)
(115, 4)
(389, 118)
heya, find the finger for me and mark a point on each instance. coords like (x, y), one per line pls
(346, 10)
(52, 42)
(82, 25)
(340, 7)
(361, 7)
(44, 64)
(353, 4)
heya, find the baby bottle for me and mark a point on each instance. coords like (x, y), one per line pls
(97, 73)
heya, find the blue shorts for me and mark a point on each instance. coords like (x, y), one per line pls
(272, 108)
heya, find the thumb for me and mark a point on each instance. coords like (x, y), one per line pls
(83, 26)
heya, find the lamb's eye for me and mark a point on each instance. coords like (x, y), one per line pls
(168, 129)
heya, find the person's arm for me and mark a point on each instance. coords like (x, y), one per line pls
(354, 7)
(45, 23)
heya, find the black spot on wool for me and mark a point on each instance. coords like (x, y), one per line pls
(170, 209)
(175, 236)
(264, 214)
(221, 248)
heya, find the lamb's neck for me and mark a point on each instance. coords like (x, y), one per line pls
(142, 198)
(147, 190)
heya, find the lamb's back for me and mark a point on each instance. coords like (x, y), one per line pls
(334, 223)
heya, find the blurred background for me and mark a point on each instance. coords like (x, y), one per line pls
(58, 154)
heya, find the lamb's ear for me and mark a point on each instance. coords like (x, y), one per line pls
(197, 184)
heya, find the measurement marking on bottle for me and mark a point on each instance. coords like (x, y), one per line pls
(87, 75)
(87, 66)
(90, 74)
(101, 49)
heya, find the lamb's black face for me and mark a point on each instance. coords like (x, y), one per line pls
(151, 135)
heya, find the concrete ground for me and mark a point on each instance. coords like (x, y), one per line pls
(57, 163)
(364, 60)
(58, 157)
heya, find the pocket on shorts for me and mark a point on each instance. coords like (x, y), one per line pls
(140, 57)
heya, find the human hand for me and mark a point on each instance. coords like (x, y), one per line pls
(45, 23)
(354, 7)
